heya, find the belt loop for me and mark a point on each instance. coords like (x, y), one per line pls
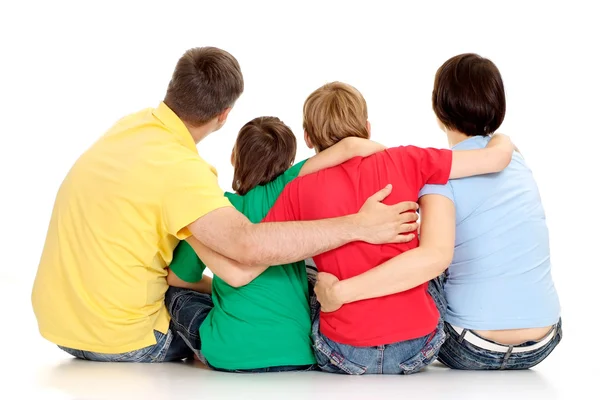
(462, 335)
(507, 356)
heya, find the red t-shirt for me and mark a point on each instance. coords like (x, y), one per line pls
(342, 190)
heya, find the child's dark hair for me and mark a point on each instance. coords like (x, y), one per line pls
(264, 149)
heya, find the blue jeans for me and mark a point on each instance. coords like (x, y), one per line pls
(458, 353)
(188, 310)
(401, 358)
(168, 347)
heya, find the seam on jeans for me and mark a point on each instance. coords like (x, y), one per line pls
(165, 349)
(174, 301)
(338, 360)
(506, 357)
(380, 358)
(181, 327)
(196, 351)
(427, 354)
(195, 334)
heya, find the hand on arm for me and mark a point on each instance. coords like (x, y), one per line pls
(228, 232)
(493, 158)
(232, 272)
(404, 271)
(203, 286)
(339, 153)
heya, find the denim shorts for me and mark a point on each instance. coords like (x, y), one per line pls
(458, 352)
(401, 358)
(168, 347)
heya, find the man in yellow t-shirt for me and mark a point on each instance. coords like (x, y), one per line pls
(142, 187)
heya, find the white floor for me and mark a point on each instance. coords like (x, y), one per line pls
(32, 366)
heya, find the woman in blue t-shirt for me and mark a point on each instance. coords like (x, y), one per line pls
(497, 297)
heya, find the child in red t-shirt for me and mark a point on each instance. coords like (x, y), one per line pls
(396, 334)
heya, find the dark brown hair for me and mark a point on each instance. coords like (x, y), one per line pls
(206, 81)
(333, 112)
(468, 95)
(264, 149)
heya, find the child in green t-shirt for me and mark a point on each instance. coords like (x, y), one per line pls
(263, 325)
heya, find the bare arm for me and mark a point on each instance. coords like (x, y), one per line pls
(203, 286)
(493, 158)
(339, 153)
(228, 232)
(404, 271)
(232, 272)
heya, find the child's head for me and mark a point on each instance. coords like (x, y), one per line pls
(333, 112)
(264, 149)
(468, 95)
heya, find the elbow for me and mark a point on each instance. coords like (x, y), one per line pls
(249, 258)
(239, 279)
(171, 278)
(247, 253)
(503, 161)
(443, 258)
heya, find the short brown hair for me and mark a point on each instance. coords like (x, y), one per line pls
(333, 112)
(206, 81)
(468, 95)
(264, 149)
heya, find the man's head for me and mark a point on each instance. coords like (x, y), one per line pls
(264, 149)
(205, 85)
(468, 95)
(333, 112)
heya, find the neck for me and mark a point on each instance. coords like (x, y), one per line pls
(199, 132)
(455, 137)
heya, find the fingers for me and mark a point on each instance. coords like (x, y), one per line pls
(407, 218)
(403, 238)
(406, 206)
(382, 194)
(407, 228)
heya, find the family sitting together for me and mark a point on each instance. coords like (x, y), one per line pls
(140, 216)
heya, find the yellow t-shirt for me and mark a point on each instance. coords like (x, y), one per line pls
(117, 217)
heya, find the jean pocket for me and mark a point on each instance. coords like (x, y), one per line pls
(428, 353)
(332, 361)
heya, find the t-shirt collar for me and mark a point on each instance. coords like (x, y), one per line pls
(174, 125)
(474, 142)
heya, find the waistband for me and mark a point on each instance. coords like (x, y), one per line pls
(482, 343)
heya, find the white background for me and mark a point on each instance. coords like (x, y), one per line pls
(69, 70)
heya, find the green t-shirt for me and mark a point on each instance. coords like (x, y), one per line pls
(265, 323)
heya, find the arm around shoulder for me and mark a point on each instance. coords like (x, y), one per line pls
(495, 157)
(339, 153)
(406, 270)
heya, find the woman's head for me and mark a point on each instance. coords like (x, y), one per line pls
(468, 95)
(264, 149)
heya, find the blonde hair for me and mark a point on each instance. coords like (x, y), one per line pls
(333, 112)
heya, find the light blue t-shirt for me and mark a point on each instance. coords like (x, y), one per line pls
(500, 276)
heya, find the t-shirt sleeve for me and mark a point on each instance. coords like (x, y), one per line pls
(429, 165)
(444, 190)
(186, 264)
(191, 191)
